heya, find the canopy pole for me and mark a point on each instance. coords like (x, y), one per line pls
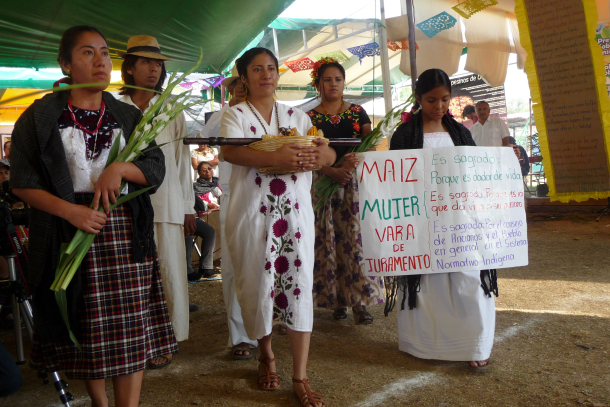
(385, 62)
(412, 45)
(275, 45)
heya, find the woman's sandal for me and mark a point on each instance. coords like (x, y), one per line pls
(167, 361)
(362, 317)
(340, 314)
(243, 348)
(310, 398)
(269, 377)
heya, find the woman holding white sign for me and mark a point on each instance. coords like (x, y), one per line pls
(339, 279)
(451, 316)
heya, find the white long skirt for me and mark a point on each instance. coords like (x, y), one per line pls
(453, 320)
(169, 238)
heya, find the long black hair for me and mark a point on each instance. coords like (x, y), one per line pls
(68, 41)
(130, 62)
(248, 56)
(430, 80)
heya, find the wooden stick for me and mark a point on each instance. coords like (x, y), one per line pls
(222, 141)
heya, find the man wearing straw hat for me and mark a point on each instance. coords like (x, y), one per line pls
(174, 202)
(239, 342)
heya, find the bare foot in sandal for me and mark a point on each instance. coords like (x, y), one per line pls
(479, 363)
(160, 361)
(361, 316)
(242, 351)
(307, 397)
(267, 374)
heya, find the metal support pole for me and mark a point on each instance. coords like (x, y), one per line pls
(412, 56)
(304, 39)
(385, 61)
(222, 96)
(277, 52)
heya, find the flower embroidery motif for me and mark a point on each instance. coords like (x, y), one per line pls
(241, 111)
(253, 129)
(356, 126)
(258, 181)
(335, 119)
(282, 262)
(290, 112)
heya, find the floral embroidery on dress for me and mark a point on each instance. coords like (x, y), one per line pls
(253, 129)
(351, 115)
(283, 239)
(241, 111)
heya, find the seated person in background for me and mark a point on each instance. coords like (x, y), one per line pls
(524, 160)
(5, 167)
(7, 150)
(10, 375)
(207, 194)
(206, 186)
(469, 115)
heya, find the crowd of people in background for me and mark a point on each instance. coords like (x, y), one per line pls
(280, 257)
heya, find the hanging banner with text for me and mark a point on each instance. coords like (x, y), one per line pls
(567, 78)
(441, 210)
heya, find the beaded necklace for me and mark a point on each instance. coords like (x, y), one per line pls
(91, 132)
(277, 116)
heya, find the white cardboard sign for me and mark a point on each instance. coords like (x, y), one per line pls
(441, 210)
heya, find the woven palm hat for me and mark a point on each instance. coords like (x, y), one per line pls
(234, 76)
(143, 46)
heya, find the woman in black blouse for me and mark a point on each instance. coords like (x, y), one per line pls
(116, 305)
(339, 279)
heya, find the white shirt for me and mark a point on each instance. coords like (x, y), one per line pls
(175, 197)
(489, 134)
(212, 129)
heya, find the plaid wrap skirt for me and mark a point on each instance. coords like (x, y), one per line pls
(124, 321)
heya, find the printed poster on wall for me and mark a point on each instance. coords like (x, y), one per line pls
(471, 89)
(441, 210)
(602, 36)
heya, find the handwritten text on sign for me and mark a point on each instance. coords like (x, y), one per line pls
(441, 210)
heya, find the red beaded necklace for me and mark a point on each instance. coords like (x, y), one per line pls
(83, 128)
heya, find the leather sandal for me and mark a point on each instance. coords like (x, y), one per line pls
(268, 377)
(362, 317)
(340, 314)
(310, 398)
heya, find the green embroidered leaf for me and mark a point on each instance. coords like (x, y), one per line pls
(289, 322)
(275, 241)
(288, 250)
(271, 198)
(288, 287)
(287, 211)
(277, 310)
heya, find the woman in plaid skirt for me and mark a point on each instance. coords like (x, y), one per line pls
(116, 305)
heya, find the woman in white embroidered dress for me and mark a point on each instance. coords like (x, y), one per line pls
(270, 223)
(454, 315)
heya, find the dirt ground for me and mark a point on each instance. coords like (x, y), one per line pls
(544, 312)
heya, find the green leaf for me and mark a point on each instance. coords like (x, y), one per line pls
(62, 302)
(289, 322)
(271, 198)
(275, 241)
(125, 198)
(276, 310)
(287, 211)
(288, 250)
(288, 287)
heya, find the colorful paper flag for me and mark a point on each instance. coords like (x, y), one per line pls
(469, 7)
(436, 24)
(366, 50)
(338, 56)
(298, 65)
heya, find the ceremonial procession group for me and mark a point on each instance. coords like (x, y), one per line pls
(128, 303)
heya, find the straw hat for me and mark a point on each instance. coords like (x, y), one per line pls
(234, 76)
(143, 46)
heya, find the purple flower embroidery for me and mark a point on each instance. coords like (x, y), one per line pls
(290, 242)
(277, 187)
(297, 291)
(290, 278)
(281, 301)
(290, 112)
(241, 111)
(281, 264)
(268, 265)
(272, 248)
(288, 201)
(296, 206)
(258, 181)
(297, 263)
(263, 209)
(253, 129)
(280, 227)
(272, 292)
(293, 177)
(297, 235)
